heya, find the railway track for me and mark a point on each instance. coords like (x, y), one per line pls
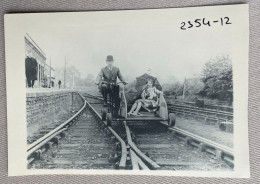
(34, 133)
(219, 151)
(84, 141)
(170, 152)
(138, 160)
(35, 149)
(158, 136)
(221, 119)
(88, 143)
(205, 114)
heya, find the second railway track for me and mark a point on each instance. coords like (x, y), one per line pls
(166, 147)
(170, 152)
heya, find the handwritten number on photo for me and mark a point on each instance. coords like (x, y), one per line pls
(197, 21)
(227, 21)
(182, 27)
(204, 22)
(191, 25)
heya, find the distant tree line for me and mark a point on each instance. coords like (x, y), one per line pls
(217, 77)
(73, 77)
(214, 82)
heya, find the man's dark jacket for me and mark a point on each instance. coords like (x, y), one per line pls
(109, 75)
(31, 69)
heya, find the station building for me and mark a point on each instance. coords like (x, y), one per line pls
(46, 73)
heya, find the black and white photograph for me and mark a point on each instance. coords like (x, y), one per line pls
(156, 91)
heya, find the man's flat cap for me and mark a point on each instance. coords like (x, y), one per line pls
(110, 58)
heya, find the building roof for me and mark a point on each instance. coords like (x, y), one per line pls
(28, 38)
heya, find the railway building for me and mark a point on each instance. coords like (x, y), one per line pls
(45, 73)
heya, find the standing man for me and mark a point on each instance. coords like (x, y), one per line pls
(108, 75)
(59, 83)
(31, 69)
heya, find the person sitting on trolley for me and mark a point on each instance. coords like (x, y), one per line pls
(108, 75)
(149, 101)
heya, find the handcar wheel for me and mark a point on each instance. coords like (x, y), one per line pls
(172, 119)
(109, 119)
(104, 115)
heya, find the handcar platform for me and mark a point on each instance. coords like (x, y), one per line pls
(144, 116)
(117, 107)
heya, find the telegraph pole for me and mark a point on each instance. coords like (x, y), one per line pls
(184, 86)
(50, 73)
(149, 71)
(65, 74)
(73, 83)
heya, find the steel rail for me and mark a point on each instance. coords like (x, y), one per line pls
(202, 109)
(198, 110)
(218, 112)
(41, 144)
(134, 158)
(221, 151)
(223, 105)
(37, 142)
(203, 140)
(48, 137)
(206, 116)
(150, 162)
(95, 97)
(122, 163)
(202, 112)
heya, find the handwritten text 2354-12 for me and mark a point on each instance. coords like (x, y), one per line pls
(203, 22)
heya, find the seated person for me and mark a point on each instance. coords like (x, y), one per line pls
(149, 101)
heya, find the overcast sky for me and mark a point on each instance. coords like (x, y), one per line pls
(137, 42)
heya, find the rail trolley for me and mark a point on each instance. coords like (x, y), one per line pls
(117, 108)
